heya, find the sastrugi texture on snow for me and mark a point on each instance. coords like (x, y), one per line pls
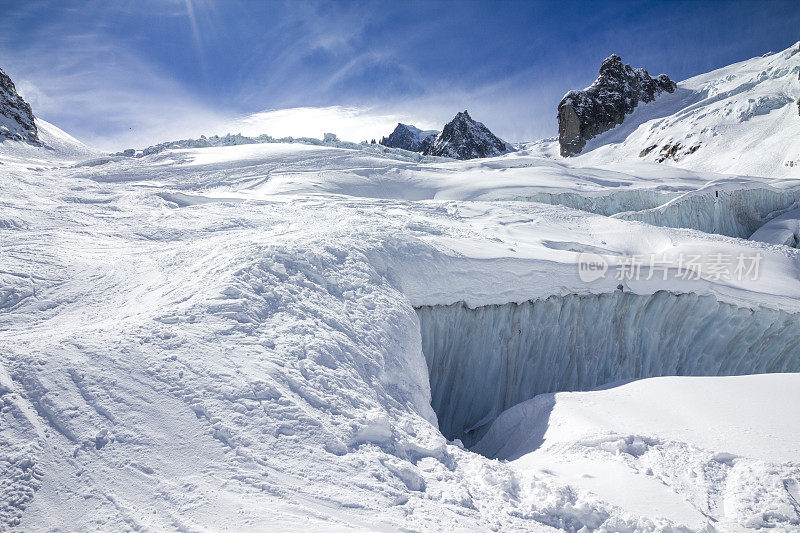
(616, 92)
(16, 117)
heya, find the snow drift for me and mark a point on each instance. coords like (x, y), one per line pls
(605, 441)
(784, 229)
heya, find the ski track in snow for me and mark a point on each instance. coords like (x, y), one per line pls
(226, 338)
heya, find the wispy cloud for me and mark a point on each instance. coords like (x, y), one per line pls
(101, 91)
(112, 109)
(347, 122)
(119, 74)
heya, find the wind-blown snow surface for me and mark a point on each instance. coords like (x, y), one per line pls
(226, 338)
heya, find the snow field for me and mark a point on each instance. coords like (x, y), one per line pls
(226, 338)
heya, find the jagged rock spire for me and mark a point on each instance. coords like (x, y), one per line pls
(16, 117)
(601, 106)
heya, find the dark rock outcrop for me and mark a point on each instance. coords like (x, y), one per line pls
(427, 143)
(601, 106)
(465, 138)
(409, 138)
(16, 116)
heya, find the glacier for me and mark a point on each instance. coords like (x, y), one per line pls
(172, 319)
(783, 229)
(732, 209)
(487, 359)
(216, 335)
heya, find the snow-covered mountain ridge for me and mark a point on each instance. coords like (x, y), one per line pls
(603, 105)
(740, 119)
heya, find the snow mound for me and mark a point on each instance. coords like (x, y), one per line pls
(784, 229)
(649, 446)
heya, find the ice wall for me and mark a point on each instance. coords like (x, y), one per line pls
(482, 361)
(732, 209)
(784, 229)
(605, 204)
(735, 213)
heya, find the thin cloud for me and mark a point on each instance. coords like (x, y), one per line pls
(107, 96)
(348, 123)
(120, 74)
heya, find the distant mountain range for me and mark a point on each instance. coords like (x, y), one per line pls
(740, 119)
(461, 138)
(407, 137)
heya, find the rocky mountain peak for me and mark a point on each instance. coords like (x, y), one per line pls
(612, 63)
(615, 93)
(465, 138)
(16, 117)
(461, 138)
(408, 137)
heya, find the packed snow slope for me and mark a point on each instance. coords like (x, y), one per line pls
(58, 149)
(740, 119)
(228, 338)
(646, 445)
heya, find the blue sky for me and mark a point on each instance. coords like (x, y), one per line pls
(132, 73)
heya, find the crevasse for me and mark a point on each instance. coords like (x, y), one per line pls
(725, 211)
(484, 360)
(735, 213)
(604, 204)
